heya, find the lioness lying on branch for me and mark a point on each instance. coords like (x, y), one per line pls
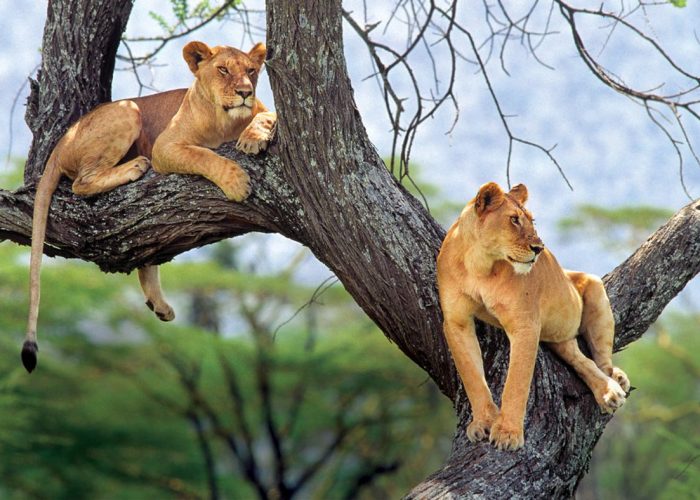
(112, 144)
(493, 266)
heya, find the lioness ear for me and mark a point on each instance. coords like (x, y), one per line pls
(490, 196)
(194, 53)
(257, 54)
(519, 193)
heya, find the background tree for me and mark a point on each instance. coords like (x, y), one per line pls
(126, 409)
(324, 186)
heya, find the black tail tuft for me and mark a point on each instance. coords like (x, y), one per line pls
(29, 350)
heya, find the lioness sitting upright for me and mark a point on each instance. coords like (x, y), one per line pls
(111, 145)
(493, 266)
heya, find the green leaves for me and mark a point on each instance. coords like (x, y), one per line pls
(187, 17)
(180, 9)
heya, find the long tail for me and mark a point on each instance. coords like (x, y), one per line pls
(42, 201)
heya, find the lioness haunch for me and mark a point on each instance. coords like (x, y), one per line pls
(493, 266)
(111, 145)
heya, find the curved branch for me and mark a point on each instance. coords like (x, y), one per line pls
(674, 101)
(642, 285)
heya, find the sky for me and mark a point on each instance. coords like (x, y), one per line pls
(609, 149)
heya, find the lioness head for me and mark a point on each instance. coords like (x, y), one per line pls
(505, 226)
(228, 76)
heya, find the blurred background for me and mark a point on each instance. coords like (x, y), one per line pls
(270, 370)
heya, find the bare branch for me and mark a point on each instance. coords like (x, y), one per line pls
(512, 139)
(676, 102)
(434, 29)
(178, 31)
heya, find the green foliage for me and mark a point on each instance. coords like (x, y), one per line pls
(182, 14)
(13, 177)
(618, 228)
(113, 409)
(678, 3)
(180, 9)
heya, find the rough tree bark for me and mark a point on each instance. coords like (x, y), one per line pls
(324, 185)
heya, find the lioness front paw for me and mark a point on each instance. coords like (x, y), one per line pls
(621, 378)
(235, 185)
(478, 430)
(163, 310)
(612, 398)
(257, 136)
(481, 424)
(505, 436)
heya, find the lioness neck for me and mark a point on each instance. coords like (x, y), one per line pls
(476, 258)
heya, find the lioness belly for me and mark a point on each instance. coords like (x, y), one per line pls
(561, 318)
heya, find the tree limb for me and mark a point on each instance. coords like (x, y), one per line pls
(642, 285)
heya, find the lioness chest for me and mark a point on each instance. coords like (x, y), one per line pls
(509, 301)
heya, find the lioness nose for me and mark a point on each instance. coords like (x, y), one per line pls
(537, 248)
(244, 93)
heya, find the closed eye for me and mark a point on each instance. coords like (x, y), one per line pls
(223, 70)
(515, 220)
(251, 71)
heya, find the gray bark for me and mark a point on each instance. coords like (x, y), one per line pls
(324, 185)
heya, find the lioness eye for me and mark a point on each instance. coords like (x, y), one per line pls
(250, 71)
(515, 220)
(223, 70)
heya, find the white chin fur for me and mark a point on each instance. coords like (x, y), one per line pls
(239, 112)
(521, 268)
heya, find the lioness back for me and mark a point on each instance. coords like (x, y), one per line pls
(156, 112)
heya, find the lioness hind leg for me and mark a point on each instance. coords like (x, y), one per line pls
(149, 277)
(607, 392)
(103, 178)
(99, 141)
(598, 327)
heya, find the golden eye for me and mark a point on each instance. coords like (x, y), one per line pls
(223, 70)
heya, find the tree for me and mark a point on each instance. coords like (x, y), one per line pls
(324, 185)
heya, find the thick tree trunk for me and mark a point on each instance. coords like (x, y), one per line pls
(324, 185)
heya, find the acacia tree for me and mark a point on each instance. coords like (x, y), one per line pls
(323, 185)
